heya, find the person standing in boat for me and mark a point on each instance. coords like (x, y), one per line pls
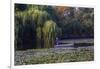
(57, 41)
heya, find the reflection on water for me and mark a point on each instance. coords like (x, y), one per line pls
(73, 45)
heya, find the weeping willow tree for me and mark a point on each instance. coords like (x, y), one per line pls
(49, 32)
(34, 28)
(42, 16)
(25, 31)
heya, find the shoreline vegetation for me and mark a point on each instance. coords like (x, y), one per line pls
(45, 56)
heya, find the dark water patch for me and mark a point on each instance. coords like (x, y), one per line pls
(83, 44)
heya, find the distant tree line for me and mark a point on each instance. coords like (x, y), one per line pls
(76, 22)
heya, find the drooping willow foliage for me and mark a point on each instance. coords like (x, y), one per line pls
(49, 33)
(34, 28)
